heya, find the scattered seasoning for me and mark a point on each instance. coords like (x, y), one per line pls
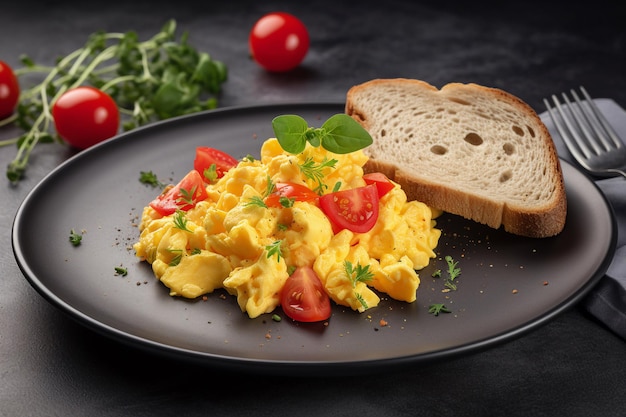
(514, 291)
(75, 238)
(383, 323)
(276, 317)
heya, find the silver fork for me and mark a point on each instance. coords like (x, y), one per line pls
(588, 135)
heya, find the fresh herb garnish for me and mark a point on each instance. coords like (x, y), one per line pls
(274, 249)
(340, 134)
(210, 173)
(121, 271)
(75, 238)
(453, 273)
(438, 308)
(256, 201)
(155, 79)
(177, 257)
(186, 196)
(150, 178)
(180, 221)
(356, 274)
(315, 171)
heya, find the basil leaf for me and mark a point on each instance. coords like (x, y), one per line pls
(342, 134)
(290, 132)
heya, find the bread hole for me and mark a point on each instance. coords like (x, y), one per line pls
(531, 131)
(506, 175)
(473, 139)
(439, 150)
(459, 101)
(508, 148)
(383, 133)
(518, 131)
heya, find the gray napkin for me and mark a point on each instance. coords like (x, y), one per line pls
(607, 300)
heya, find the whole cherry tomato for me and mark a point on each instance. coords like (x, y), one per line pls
(9, 90)
(84, 116)
(279, 41)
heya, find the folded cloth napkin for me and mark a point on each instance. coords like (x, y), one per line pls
(607, 300)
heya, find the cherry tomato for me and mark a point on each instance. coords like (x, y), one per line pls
(9, 90)
(383, 184)
(303, 297)
(84, 116)
(182, 196)
(206, 156)
(355, 209)
(278, 41)
(297, 192)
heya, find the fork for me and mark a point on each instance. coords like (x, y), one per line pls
(588, 135)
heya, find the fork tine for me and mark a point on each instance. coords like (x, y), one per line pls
(581, 121)
(610, 139)
(565, 128)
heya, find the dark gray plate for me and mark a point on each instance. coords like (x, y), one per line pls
(509, 285)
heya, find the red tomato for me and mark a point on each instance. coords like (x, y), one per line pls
(355, 209)
(84, 116)
(383, 184)
(9, 90)
(183, 196)
(303, 297)
(278, 41)
(290, 190)
(206, 156)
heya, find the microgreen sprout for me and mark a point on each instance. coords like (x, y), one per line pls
(150, 80)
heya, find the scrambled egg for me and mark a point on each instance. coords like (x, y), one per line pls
(226, 241)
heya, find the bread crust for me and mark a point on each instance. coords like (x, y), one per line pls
(537, 219)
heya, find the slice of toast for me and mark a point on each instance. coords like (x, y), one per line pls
(466, 149)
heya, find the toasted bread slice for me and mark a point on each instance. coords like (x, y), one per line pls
(466, 149)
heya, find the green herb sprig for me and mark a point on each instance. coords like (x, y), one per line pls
(438, 308)
(339, 134)
(357, 274)
(149, 80)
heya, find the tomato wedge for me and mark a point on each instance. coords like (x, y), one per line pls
(303, 297)
(207, 156)
(383, 184)
(355, 209)
(290, 190)
(183, 196)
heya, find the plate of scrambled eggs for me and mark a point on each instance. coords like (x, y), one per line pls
(208, 291)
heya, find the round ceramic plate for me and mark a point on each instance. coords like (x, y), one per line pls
(509, 285)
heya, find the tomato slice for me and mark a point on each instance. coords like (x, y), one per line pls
(303, 297)
(383, 184)
(291, 190)
(207, 156)
(183, 196)
(355, 209)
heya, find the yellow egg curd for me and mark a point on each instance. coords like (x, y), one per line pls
(227, 238)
